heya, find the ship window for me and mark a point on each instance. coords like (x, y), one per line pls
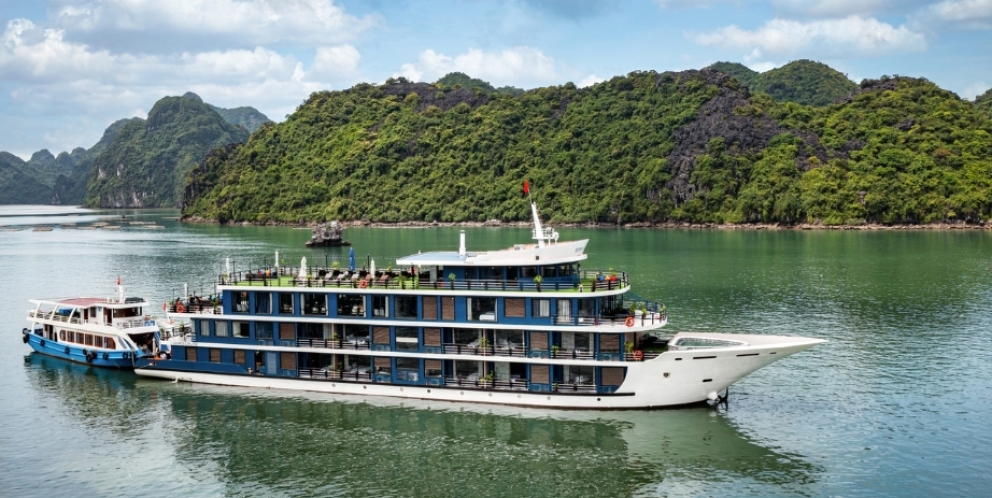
(89, 340)
(548, 271)
(507, 339)
(285, 303)
(432, 368)
(482, 309)
(380, 307)
(263, 331)
(241, 303)
(383, 366)
(467, 337)
(220, 329)
(587, 308)
(407, 339)
(351, 305)
(406, 306)
(447, 308)
(204, 327)
(358, 334)
(528, 271)
(314, 304)
(564, 270)
(263, 302)
(111, 344)
(540, 307)
(215, 356)
(468, 371)
(239, 356)
(311, 331)
(580, 374)
(239, 329)
(430, 307)
(515, 307)
(190, 354)
(408, 364)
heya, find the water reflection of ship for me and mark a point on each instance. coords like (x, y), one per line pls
(257, 441)
(327, 235)
(390, 447)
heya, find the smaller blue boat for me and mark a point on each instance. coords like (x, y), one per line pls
(101, 332)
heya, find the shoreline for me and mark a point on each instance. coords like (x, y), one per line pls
(635, 225)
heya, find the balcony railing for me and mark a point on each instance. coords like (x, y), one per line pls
(588, 281)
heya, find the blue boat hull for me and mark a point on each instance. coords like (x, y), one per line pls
(121, 360)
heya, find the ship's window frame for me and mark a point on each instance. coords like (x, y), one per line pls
(529, 271)
(402, 306)
(241, 302)
(540, 308)
(380, 305)
(479, 307)
(564, 270)
(204, 328)
(220, 328)
(353, 302)
(287, 303)
(407, 339)
(264, 331)
(263, 303)
(314, 304)
(548, 271)
(240, 330)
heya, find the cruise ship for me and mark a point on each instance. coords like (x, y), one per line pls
(524, 325)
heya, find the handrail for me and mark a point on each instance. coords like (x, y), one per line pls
(588, 281)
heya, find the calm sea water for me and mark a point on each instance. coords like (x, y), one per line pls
(898, 403)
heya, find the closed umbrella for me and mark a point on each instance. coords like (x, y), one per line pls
(351, 259)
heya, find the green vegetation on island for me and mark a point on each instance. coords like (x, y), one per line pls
(694, 146)
(803, 82)
(147, 162)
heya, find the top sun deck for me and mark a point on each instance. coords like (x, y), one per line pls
(86, 302)
(518, 255)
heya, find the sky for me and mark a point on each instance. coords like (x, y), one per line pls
(70, 68)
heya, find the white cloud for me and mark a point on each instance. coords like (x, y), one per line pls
(590, 80)
(518, 66)
(252, 21)
(853, 36)
(687, 4)
(965, 14)
(336, 62)
(830, 8)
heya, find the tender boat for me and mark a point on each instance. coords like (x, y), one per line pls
(523, 325)
(99, 331)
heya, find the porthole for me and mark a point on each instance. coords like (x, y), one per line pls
(428, 391)
(490, 395)
(463, 393)
(334, 385)
(599, 399)
(365, 387)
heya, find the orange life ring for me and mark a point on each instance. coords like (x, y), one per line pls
(180, 308)
(629, 321)
(638, 355)
(363, 284)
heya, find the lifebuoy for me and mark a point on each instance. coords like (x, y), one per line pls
(629, 321)
(42, 343)
(67, 350)
(106, 355)
(25, 338)
(638, 355)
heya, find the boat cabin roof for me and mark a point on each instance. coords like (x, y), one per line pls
(86, 302)
(518, 255)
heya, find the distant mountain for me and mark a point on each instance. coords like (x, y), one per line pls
(246, 117)
(70, 189)
(465, 81)
(803, 82)
(18, 185)
(147, 162)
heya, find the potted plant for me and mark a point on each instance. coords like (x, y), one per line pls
(451, 278)
(484, 345)
(537, 281)
(554, 350)
(628, 347)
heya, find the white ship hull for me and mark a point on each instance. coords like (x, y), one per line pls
(673, 378)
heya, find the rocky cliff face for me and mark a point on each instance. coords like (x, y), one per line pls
(147, 162)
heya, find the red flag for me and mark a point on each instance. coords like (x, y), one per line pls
(118, 280)
(526, 187)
